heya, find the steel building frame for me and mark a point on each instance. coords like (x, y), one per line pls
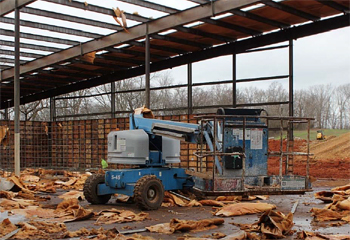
(209, 29)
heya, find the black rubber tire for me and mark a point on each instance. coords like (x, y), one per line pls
(149, 193)
(90, 189)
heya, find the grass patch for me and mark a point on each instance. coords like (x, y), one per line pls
(313, 132)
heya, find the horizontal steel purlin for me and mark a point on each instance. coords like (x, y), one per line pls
(136, 32)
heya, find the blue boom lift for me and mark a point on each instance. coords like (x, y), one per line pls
(153, 145)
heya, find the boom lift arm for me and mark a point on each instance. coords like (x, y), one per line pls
(187, 132)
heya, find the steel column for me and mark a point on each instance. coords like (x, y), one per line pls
(17, 93)
(6, 113)
(52, 109)
(234, 81)
(8, 6)
(112, 99)
(189, 88)
(147, 70)
(291, 90)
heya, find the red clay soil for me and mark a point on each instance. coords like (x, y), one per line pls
(331, 157)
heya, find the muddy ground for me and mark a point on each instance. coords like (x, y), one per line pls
(284, 203)
(331, 157)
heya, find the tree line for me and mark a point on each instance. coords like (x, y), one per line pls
(329, 105)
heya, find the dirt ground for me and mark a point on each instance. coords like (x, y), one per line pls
(284, 203)
(331, 157)
(329, 168)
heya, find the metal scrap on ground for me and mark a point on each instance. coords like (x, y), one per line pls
(23, 211)
(338, 207)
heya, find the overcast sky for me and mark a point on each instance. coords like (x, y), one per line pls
(318, 59)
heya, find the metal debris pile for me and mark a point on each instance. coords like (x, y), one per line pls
(26, 213)
(338, 208)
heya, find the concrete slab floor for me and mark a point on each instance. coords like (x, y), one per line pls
(284, 203)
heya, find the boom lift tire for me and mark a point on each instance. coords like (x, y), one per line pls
(149, 193)
(90, 189)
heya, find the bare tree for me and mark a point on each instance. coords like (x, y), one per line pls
(74, 104)
(342, 95)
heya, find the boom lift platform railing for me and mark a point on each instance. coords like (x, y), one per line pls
(246, 132)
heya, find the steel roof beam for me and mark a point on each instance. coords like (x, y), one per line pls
(231, 26)
(290, 10)
(166, 9)
(98, 64)
(30, 46)
(65, 74)
(11, 60)
(79, 69)
(157, 47)
(201, 33)
(235, 47)
(23, 54)
(199, 1)
(97, 9)
(60, 16)
(49, 78)
(131, 52)
(334, 5)
(179, 40)
(258, 18)
(120, 59)
(136, 32)
(4, 66)
(151, 5)
(39, 37)
(8, 6)
(48, 27)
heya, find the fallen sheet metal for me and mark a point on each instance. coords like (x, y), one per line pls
(325, 196)
(186, 225)
(29, 178)
(9, 204)
(119, 216)
(322, 214)
(18, 183)
(175, 199)
(5, 184)
(7, 194)
(6, 227)
(338, 209)
(271, 224)
(238, 209)
(4, 130)
(69, 210)
(73, 194)
(239, 235)
(211, 203)
(241, 198)
(317, 236)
